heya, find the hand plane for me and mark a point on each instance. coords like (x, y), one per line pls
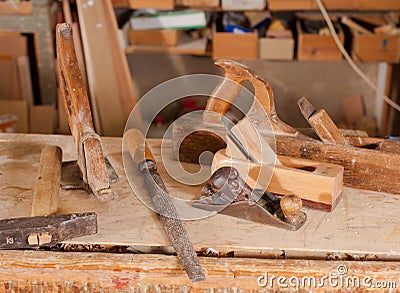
(369, 162)
(318, 184)
(228, 194)
(92, 166)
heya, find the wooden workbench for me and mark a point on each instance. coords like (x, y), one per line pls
(363, 227)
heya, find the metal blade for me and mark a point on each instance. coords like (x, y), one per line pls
(228, 124)
(71, 177)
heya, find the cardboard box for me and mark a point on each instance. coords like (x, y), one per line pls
(277, 48)
(198, 3)
(314, 47)
(156, 4)
(154, 37)
(373, 48)
(235, 46)
(243, 4)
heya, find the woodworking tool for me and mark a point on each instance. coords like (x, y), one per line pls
(34, 232)
(165, 208)
(369, 162)
(91, 161)
(228, 194)
(44, 228)
(321, 122)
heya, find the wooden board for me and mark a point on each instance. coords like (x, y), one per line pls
(42, 119)
(364, 224)
(41, 271)
(16, 7)
(9, 82)
(334, 4)
(110, 83)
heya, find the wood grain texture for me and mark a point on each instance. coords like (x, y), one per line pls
(320, 184)
(94, 272)
(47, 186)
(102, 69)
(363, 226)
(325, 128)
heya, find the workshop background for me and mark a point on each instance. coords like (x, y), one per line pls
(286, 42)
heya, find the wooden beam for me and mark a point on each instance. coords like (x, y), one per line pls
(94, 272)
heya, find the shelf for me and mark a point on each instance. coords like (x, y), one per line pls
(378, 5)
(186, 46)
(15, 8)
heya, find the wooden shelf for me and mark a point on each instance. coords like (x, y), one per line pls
(185, 46)
(279, 5)
(15, 8)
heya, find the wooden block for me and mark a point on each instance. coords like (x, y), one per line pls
(313, 47)
(318, 183)
(290, 4)
(276, 48)
(376, 48)
(235, 46)
(47, 186)
(353, 109)
(9, 81)
(19, 109)
(42, 119)
(154, 37)
(325, 128)
(156, 4)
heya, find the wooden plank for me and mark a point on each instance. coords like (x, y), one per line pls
(123, 74)
(94, 272)
(101, 68)
(334, 5)
(47, 186)
(363, 225)
(353, 109)
(9, 83)
(19, 109)
(24, 79)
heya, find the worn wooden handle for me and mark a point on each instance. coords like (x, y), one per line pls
(45, 196)
(135, 142)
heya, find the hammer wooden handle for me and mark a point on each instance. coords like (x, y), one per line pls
(135, 142)
(45, 196)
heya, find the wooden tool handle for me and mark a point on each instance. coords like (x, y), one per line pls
(135, 142)
(45, 196)
(71, 83)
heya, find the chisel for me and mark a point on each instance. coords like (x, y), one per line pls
(163, 204)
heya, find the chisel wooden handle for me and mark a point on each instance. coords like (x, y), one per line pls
(167, 213)
(45, 196)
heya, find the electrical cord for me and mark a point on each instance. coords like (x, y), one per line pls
(349, 59)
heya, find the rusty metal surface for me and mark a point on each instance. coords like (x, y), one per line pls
(15, 232)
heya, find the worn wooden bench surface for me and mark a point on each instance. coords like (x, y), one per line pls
(364, 226)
